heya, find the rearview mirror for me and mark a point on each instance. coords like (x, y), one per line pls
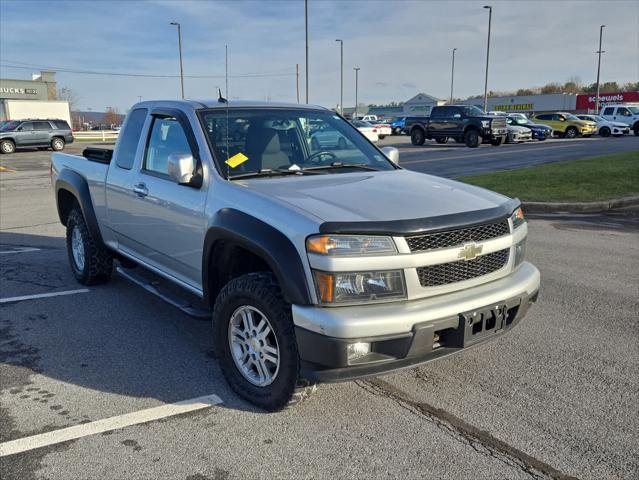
(181, 168)
(392, 154)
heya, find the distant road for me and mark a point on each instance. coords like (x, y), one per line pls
(454, 160)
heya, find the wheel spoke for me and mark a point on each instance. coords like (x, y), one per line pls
(271, 350)
(269, 358)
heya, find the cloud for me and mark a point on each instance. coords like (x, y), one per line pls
(409, 85)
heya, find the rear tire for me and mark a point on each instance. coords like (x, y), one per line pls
(397, 131)
(472, 138)
(604, 132)
(7, 146)
(442, 140)
(259, 297)
(57, 144)
(91, 263)
(417, 136)
(571, 132)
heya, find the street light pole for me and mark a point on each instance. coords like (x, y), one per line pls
(601, 27)
(452, 76)
(306, 28)
(357, 69)
(341, 76)
(490, 17)
(180, 49)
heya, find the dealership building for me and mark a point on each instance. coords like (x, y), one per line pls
(422, 104)
(35, 98)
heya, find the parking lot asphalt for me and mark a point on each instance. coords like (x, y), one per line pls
(556, 398)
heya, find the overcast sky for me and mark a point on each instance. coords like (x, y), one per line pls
(402, 47)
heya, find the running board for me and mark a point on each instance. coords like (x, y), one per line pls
(152, 285)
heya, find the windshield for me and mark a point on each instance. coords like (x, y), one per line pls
(268, 140)
(520, 121)
(6, 126)
(634, 110)
(472, 111)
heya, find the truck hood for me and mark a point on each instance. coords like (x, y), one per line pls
(375, 196)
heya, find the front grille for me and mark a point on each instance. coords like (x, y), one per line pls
(451, 238)
(452, 272)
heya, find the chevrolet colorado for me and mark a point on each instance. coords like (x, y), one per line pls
(464, 123)
(315, 264)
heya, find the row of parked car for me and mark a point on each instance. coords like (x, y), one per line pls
(470, 125)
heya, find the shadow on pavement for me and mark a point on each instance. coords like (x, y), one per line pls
(116, 339)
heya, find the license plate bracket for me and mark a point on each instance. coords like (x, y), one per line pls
(483, 322)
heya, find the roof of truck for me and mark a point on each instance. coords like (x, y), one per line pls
(214, 103)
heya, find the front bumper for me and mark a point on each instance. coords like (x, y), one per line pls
(405, 334)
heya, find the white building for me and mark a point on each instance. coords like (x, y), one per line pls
(421, 104)
(35, 98)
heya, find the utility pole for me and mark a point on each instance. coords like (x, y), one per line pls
(341, 76)
(139, 98)
(306, 28)
(357, 69)
(179, 30)
(490, 17)
(452, 77)
(600, 51)
(297, 81)
(226, 70)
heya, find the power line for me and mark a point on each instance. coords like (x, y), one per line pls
(27, 66)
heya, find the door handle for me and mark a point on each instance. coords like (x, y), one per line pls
(140, 190)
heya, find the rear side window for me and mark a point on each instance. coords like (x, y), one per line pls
(129, 138)
(61, 125)
(438, 112)
(544, 117)
(609, 111)
(41, 126)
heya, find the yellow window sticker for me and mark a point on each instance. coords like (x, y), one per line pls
(236, 160)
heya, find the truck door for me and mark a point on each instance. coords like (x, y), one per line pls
(41, 133)
(25, 134)
(167, 220)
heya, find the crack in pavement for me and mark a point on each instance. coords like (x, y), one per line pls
(481, 441)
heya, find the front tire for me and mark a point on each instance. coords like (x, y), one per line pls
(7, 146)
(472, 138)
(91, 263)
(571, 132)
(255, 342)
(57, 144)
(496, 142)
(604, 132)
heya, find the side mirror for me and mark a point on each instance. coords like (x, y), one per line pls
(181, 168)
(19, 129)
(392, 154)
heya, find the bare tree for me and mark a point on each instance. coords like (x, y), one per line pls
(68, 95)
(112, 116)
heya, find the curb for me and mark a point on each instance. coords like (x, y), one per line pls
(580, 207)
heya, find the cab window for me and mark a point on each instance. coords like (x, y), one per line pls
(167, 138)
(624, 112)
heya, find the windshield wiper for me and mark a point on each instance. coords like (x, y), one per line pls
(362, 166)
(268, 172)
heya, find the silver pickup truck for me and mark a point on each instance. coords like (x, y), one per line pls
(315, 264)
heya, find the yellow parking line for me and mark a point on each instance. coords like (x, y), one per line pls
(5, 169)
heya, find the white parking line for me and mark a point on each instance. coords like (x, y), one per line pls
(19, 250)
(42, 295)
(492, 154)
(78, 431)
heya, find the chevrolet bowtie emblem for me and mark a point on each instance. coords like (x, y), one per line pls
(470, 251)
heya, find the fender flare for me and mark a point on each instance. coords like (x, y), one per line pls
(75, 184)
(261, 239)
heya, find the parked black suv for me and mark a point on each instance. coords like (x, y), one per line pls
(464, 123)
(54, 134)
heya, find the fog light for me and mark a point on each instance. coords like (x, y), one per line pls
(355, 351)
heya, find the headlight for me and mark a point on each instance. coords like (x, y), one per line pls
(518, 217)
(485, 123)
(520, 252)
(350, 245)
(359, 287)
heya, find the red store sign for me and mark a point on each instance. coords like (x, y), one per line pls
(587, 101)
